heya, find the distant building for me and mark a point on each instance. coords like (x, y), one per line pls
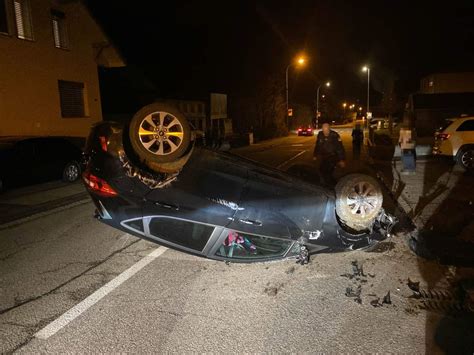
(427, 112)
(447, 83)
(50, 51)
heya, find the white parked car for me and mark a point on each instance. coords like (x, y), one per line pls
(456, 139)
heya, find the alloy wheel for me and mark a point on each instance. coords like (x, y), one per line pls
(161, 133)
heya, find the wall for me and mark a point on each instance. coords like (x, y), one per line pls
(30, 70)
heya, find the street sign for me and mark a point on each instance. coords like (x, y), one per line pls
(290, 112)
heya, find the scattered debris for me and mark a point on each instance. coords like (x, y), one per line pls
(273, 290)
(414, 286)
(350, 292)
(290, 270)
(357, 269)
(371, 275)
(376, 302)
(387, 299)
(303, 256)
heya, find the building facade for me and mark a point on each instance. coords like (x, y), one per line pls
(447, 83)
(50, 51)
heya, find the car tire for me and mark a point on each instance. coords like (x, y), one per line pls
(465, 158)
(159, 134)
(71, 172)
(358, 201)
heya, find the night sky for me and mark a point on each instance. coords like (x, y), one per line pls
(189, 48)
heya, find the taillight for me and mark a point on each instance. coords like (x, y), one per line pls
(103, 143)
(309, 129)
(98, 185)
(442, 136)
(299, 129)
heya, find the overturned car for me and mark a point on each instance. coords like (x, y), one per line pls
(152, 180)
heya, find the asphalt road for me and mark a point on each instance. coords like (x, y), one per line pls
(71, 284)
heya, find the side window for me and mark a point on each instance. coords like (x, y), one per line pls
(58, 21)
(23, 19)
(245, 246)
(466, 126)
(187, 234)
(3, 17)
(72, 99)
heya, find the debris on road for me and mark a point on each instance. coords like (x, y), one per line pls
(414, 286)
(387, 299)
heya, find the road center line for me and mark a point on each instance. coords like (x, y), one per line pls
(292, 158)
(56, 325)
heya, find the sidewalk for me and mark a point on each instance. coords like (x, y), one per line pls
(23, 202)
(439, 199)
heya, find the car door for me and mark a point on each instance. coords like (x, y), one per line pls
(207, 190)
(23, 163)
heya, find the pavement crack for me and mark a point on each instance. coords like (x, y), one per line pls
(53, 290)
(66, 265)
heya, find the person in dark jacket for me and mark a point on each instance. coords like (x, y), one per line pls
(357, 140)
(329, 151)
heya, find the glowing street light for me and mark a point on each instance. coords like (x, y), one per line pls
(367, 69)
(328, 84)
(299, 62)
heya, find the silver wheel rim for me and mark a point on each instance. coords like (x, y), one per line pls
(362, 199)
(161, 133)
(72, 172)
(467, 159)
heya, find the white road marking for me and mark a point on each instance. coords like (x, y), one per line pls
(56, 325)
(287, 161)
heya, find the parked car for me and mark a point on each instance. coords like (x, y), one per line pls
(456, 139)
(305, 131)
(218, 205)
(27, 160)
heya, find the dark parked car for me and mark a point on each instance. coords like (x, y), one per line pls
(26, 160)
(215, 204)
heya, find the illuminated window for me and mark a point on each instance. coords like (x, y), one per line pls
(59, 29)
(3, 17)
(71, 96)
(24, 26)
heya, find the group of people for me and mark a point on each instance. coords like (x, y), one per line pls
(329, 150)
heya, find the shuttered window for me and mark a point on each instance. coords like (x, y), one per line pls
(58, 20)
(24, 26)
(71, 95)
(3, 17)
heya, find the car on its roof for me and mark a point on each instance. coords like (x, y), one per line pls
(27, 160)
(217, 205)
(456, 139)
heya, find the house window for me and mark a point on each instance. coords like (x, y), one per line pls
(24, 26)
(59, 29)
(71, 96)
(3, 17)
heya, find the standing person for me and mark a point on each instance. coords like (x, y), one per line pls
(330, 152)
(357, 140)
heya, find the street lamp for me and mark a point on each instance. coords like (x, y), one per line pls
(300, 61)
(344, 114)
(367, 69)
(328, 84)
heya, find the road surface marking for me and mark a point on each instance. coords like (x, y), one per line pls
(287, 161)
(56, 325)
